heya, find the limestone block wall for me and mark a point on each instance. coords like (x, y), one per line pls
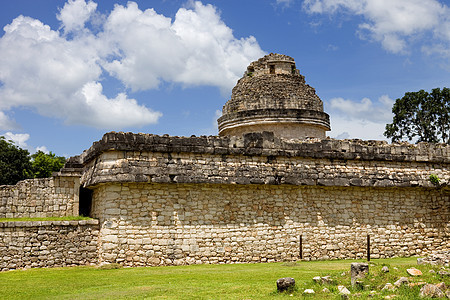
(157, 167)
(165, 224)
(48, 244)
(261, 158)
(41, 197)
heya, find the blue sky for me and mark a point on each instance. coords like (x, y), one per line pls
(71, 71)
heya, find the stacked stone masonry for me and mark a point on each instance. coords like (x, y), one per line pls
(261, 159)
(42, 197)
(37, 244)
(273, 96)
(175, 200)
(256, 93)
(162, 200)
(165, 224)
(270, 179)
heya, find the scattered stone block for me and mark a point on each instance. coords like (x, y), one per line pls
(414, 272)
(441, 286)
(358, 271)
(385, 269)
(432, 291)
(323, 280)
(437, 258)
(401, 281)
(325, 290)
(388, 286)
(309, 291)
(343, 290)
(286, 283)
(326, 279)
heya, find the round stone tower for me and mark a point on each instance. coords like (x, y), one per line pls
(273, 96)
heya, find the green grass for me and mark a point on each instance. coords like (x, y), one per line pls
(69, 218)
(238, 281)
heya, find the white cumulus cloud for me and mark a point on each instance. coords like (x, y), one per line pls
(360, 119)
(19, 139)
(395, 24)
(364, 109)
(196, 48)
(120, 111)
(62, 74)
(75, 14)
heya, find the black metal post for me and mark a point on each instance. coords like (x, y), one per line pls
(301, 247)
(368, 247)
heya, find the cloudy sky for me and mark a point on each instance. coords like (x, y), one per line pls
(71, 71)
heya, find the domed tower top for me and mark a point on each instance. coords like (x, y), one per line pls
(273, 96)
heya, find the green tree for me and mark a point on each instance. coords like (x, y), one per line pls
(421, 116)
(15, 164)
(45, 164)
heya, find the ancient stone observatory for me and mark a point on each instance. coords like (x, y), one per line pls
(262, 191)
(164, 200)
(272, 96)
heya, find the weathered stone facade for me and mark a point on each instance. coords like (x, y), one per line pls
(262, 191)
(273, 96)
(174, 200)
(165, 224)
(261, 158)
(39, 244)
(43, 197)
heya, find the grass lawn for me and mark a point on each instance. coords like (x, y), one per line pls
(238, 281)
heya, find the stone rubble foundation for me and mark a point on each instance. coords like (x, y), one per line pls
(39, 244)
(168, 224)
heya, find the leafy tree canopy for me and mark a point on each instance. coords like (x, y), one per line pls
(421, 116)
(45, 164)
(15, 164)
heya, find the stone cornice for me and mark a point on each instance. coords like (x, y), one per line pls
(274, 116)
(265, 144)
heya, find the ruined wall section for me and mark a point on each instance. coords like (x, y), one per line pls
(174, 224)
(38, 244)
(167, 200)
(260, 158)
(272, 92)
(42, 197)
(289, 91)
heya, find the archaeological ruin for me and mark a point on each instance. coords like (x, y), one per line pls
(270, 187)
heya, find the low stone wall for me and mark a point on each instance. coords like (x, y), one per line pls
(41, 197)
(48, 244)
(164, 224)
